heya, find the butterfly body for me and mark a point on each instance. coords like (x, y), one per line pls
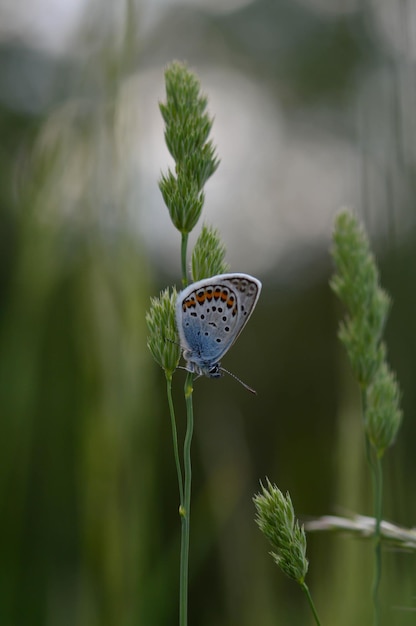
(210, 315)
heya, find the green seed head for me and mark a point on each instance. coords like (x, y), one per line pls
(276, 519)
(163, 340)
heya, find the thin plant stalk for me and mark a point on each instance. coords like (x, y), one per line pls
(368, 451)
(184, 245)
(174, 437)
(185, 510)
(378, 506)
(306, 591)
(374, 462)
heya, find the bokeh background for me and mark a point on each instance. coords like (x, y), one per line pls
(314, 104)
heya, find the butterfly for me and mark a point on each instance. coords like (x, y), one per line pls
(210, 315)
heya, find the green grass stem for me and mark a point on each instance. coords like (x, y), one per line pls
(174, 438)
(377, 472)
(306, 591)
(185, 510)
(375, 464)
(184, 246)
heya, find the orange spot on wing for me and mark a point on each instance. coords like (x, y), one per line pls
(190, 302)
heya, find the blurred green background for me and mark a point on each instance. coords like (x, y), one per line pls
(314, 110)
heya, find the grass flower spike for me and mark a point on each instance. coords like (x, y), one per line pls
(187, 126)
(356, 282)
(383, 415)
(208, 255)
(163, 340)
(276, 520)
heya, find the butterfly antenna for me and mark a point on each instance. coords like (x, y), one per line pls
(250, 389)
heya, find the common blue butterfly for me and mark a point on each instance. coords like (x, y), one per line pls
(210, 315)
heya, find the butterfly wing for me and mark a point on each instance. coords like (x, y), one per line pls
(212, 313)
(248, 290)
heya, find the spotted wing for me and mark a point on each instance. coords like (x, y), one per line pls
(213, 313)
(248, 290)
